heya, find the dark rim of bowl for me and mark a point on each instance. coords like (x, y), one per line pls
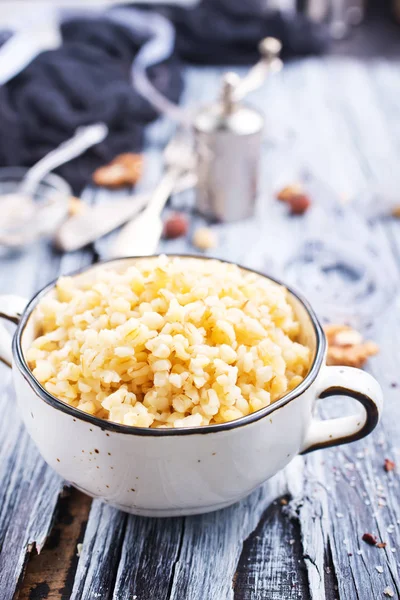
(202, 429)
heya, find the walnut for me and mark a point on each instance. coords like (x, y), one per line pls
(346, 346)
(125, 169)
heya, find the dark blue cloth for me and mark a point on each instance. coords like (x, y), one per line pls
(222, 32)
(84, 81)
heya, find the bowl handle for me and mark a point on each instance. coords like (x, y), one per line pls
(354, 383)
(11, 308)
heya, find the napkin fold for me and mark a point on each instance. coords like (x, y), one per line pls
(86, 80)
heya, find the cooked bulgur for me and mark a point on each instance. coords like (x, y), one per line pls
(168, 342)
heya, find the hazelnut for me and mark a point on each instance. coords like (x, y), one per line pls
(299, 204)
(175, 226)
(204, 238)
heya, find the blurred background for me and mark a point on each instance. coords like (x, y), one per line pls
(77, 37)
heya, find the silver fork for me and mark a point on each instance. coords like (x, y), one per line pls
(140, 237)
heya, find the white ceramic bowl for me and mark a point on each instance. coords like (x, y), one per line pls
(165, 472)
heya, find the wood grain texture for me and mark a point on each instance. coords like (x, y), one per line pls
(338, 120)
(101, 552)
(51, 573)
(275, 540)
(142, 571)
(29, 490)
(354, 477)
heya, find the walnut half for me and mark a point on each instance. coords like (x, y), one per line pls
(347, 347)
(125, 169)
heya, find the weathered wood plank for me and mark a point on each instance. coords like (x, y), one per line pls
(149, 553)
(212, 545)
(326, 116)
(29, 490)
(233, 525)
(101, 551)
(338, 168)
(378, 505)
(275, 540)
(300, 110)
(51, 573)
(308, 125)
(343, 85)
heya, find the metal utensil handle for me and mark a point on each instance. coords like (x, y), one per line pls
(140, 236)
(96, 221)
(270, 62)
(163, 190)
(84, 138)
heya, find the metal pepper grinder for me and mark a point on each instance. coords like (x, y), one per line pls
(228, 136)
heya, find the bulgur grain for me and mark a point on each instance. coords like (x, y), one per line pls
(168, 342)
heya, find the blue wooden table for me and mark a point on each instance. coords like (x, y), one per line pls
(299, 536)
